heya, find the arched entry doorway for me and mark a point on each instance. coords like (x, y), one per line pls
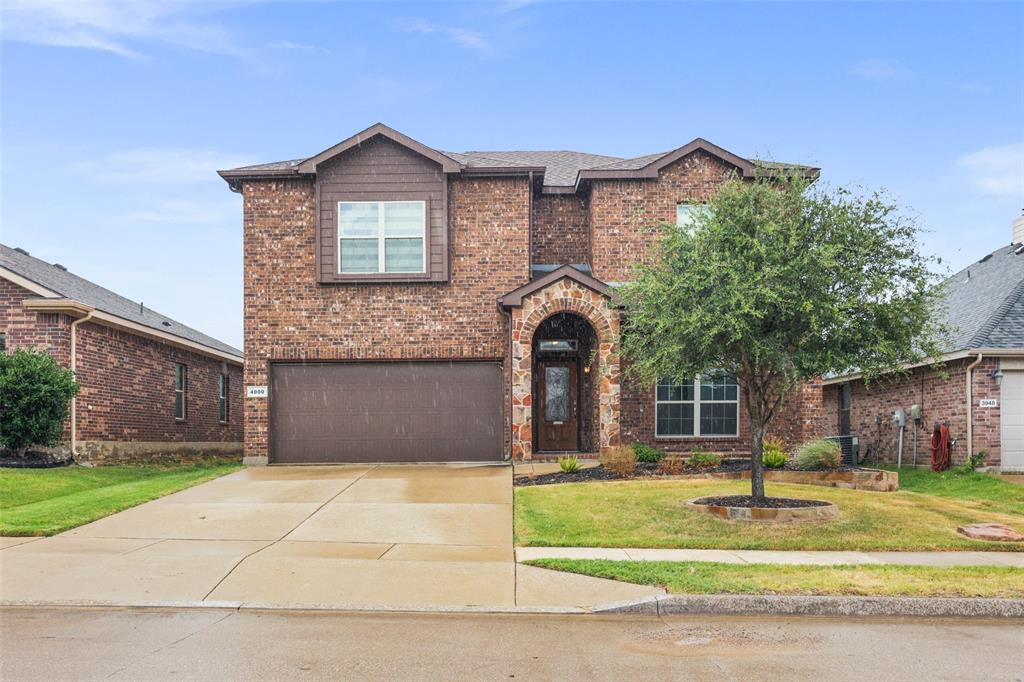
(564, 369)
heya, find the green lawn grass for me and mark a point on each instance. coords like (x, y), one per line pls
(988, 491)
(653, 514)
(49, 501)
(870, 580)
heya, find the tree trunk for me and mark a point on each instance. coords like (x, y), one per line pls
(756, 463)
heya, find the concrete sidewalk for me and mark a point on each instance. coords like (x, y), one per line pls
(1015, 559)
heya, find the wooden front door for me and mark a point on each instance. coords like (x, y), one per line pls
(557, 427)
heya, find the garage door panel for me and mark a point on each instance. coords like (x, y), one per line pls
(1012, 420)
(390, 412)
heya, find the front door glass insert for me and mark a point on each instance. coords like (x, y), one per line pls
(556, 394)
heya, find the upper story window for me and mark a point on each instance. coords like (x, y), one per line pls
(707, 406)
(180, 389)
(222, 402)
(382, 236)
(686, 213)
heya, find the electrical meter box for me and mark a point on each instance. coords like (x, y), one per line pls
(916, 413)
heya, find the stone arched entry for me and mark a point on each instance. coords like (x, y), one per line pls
(565, 290)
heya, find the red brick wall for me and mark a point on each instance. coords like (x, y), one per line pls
(127, 390)
(624, 213)
(942, 397)
(561, 229)
(289, 316)
(26, 329)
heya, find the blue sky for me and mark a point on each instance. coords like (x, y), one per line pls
(116, 115)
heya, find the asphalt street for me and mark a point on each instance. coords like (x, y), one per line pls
(38, 643)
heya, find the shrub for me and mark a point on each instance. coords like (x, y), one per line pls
(820, 454)
(568, 464)
(646, 453)
(34, 395)
(620, 460)
(672, 465)
(702, 459)
(773, 455)
(974, 461)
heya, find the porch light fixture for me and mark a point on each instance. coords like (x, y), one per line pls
(586, 369)
(997, 374)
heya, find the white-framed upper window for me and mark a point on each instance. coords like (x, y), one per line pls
(382, 236)
(686, 213)
(180, 391)
(706, 406)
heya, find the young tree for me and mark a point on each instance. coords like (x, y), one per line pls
(34, 395)
(775, 283)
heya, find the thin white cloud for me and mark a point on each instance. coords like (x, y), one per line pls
(298, 47)
(160, 165)
(463, 37)
(121, 27)
(876, 69)
(997, 170)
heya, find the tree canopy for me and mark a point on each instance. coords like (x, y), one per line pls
(777, 282)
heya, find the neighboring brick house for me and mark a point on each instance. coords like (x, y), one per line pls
(979, 390)
(408, 304)
(150, 387)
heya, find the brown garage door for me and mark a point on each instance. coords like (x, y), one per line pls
(385, 412)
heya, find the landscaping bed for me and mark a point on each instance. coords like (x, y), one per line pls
(863, 580)
(765, 509)
(49, 501)
(858, 478)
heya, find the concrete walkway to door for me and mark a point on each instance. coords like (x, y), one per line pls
(392, 537)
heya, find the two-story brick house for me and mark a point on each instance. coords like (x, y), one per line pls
(408, 304)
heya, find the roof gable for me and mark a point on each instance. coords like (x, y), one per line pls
(448, 164)
(981, 304)
(514, 298)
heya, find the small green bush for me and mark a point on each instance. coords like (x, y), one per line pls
(974, 461)
(34, 395)
(619, 460)
(773, 454)
(819, 454)
(568, 464)
(648, 454)
(702, 459)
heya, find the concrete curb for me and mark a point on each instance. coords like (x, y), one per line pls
(662, 605)
(786, 605)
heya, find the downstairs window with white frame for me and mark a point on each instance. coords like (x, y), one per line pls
(705, 407)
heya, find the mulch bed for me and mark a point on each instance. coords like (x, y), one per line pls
(33, 459)
(646, 470)
(751, 502)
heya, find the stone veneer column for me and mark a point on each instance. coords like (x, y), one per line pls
(565, 295)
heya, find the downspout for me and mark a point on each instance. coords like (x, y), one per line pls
(74, 370)
(970, 405)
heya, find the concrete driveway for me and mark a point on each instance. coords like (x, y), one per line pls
(306, 537)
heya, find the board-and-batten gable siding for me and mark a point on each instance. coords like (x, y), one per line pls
(382, 170)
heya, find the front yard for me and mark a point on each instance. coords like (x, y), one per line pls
(922, 516)
(870, 580)
(49, 501)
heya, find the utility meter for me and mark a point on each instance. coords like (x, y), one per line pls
(916, 413)
(899, 418)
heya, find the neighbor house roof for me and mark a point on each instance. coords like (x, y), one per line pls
(983, 304)
(53, 283)
(562, 171)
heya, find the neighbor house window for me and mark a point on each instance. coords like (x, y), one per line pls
(707, 406)
(223, 403)
(3, 342)
(382, 236)
(180, 390)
